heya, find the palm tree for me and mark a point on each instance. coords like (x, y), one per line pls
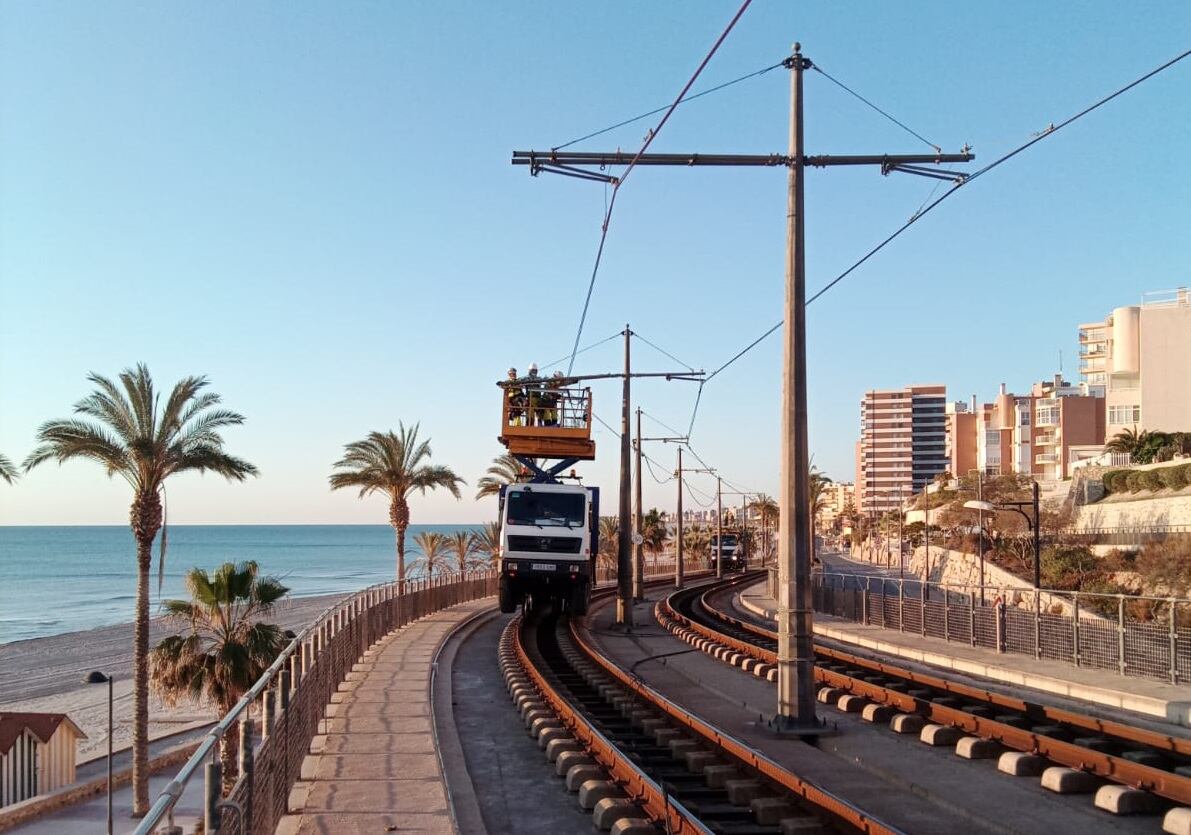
(767, 509)
(486, 541)
(818, 500)
(505, 470)
(133, 435)
(697, 543)
(224, 648)
(8, 470)
(1127, 440)
(393, 463)
(609, 542)
(654, 531)
(463, 545)
(434, 560)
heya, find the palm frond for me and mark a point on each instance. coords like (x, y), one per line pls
(8, 470)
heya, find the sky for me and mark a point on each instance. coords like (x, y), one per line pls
(312, 204)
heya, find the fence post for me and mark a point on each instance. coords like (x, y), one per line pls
(922, 605)
(283, 684)
(972, 616)
(246, 770)
(901, 605)
(864, 601)
(268, 709)
(1037, 624)
(1000, 625)
(1174, 642)
(1075, 626)
(946, 614)
(1121, 634)
(212, 790)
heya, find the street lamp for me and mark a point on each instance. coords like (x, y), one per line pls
(96, 677)
(1033, 524)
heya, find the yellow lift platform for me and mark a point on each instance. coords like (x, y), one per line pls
(546, 418)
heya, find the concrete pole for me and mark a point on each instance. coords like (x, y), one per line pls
(639, 574)
(624, 553)
(719, 528)
(678, 548)
(795, 654)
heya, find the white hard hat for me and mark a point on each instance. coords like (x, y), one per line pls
(533, 368)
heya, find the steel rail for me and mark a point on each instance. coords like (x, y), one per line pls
(1166, 784)
(841, 810)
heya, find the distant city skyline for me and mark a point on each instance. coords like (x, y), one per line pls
(315, 208)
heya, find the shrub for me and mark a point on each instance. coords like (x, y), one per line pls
(1114, 481)
(1152, 480)
(1134, 481)
(1166, 567)
(1068, 567)
(1173, 477)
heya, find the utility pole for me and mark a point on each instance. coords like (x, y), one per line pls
(796, 705)
(719, 528)
(639, 574)
(624, 554)
(678, 551)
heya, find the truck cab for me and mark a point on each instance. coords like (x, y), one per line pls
(548, 534)
(730, 551)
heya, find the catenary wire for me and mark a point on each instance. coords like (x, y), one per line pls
(660, 350)
(662, 424)
(584, 350)
(897, 122)
(1050, 131)
(632, 164)
(657, 110)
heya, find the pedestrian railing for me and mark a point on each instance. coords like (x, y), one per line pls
(1132, 635)
(278, 717)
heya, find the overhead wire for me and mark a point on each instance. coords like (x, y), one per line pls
(663, 351)
(584, 350)
(633, 163)
(895, 121)
(657, 110)
(1049, 131)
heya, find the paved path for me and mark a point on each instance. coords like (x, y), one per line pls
(376, 769)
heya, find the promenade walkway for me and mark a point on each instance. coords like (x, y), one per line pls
(376, 769)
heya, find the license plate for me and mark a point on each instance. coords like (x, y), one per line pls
(542, 566)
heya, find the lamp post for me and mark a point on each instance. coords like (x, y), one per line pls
(1033, 524)
(96, 677)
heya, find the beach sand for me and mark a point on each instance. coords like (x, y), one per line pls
(46, 675)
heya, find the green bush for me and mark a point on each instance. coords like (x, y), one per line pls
(1173, 477)
(1134, 481)
(1114, 481)
(1152, 480)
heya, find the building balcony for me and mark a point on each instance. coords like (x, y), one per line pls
(1046, 458)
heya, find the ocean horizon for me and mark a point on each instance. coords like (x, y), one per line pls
(66, 578)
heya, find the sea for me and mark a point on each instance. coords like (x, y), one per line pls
(65, 579)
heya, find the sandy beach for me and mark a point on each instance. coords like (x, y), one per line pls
(46, 675)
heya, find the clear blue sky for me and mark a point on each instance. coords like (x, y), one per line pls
(312, 204)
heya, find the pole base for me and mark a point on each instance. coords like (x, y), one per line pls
(788, 727)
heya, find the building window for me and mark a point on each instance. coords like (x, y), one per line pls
(1124, 414)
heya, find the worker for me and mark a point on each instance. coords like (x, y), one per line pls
(533, 393)
(516, 399)
(550, 399)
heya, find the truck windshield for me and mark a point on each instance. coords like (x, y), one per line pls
(527, 507)
(729, 540)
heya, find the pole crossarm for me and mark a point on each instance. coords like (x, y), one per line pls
(569, 162)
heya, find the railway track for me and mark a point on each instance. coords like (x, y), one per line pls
(1131, 769)
(641, 763)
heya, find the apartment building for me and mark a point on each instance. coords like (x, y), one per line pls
(902, 447)
(1032, 434)
(1139, 359)
(837, 496)
(962, 422)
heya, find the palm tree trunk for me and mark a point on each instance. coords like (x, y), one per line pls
(399, 519)
(146, 521)
(229, 750)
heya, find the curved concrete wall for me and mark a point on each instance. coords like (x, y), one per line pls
(1126, 352)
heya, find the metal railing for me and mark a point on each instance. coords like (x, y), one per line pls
(280, 715)
(547, 405)
(1149, 637)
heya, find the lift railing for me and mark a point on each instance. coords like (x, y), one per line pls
(530, 408)
(278, 717)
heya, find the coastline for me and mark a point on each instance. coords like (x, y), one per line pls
(46, 675)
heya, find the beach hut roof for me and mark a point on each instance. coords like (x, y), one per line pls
(42, 725)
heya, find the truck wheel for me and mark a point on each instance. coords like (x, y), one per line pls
(508, 603)
(579, 598)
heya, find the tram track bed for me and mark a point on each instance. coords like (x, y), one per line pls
(1128, 770)
(640, 762)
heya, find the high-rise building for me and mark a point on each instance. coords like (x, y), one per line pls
(902, 447)
(1032, 434)
(836, 498)
(962, 423)
(1140, 356)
